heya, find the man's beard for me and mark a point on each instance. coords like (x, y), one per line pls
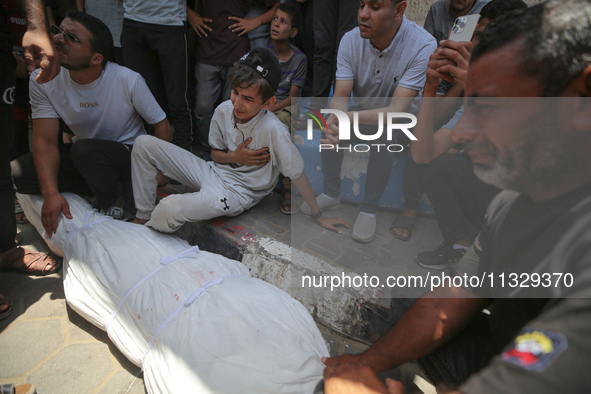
(537, 162)
(76, 66)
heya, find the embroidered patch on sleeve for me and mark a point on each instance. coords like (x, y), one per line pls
(535, 349)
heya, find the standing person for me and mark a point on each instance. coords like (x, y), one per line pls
(218, 48)
(285, 27)
(154, 42)
(37, 44)
(111, 13)
(385, 57)
(304, 40)
(332, 19)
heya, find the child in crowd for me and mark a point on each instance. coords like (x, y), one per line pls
(293, 64)
(250, 146)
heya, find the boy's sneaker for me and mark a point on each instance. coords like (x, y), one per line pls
(443, 257)
(114, 212)
(324, 203)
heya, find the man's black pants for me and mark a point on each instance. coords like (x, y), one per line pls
(87, 167)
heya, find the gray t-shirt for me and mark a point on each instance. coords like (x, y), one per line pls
(378, 73)
(111, 13)
(253, 183)
(439, 22)
(110, 108)
(157, 12)
(293, 72)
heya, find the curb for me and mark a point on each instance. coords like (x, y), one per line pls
(357, 313)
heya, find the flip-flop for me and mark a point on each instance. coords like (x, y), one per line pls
(18, 210)
(287, 201)
(403, 222)
(27, 261)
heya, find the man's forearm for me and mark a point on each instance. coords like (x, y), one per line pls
(422, 148)
(35, 14)
(47, 163)
(162, 130)
(429, 323)
(221, 157)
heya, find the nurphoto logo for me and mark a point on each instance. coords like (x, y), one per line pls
(393, 120)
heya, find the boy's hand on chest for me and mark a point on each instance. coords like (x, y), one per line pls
(251, 157)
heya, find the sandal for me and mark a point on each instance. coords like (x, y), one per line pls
(18, 210)
(30, 262)
(287, 207)
(5, 307)
(11, 388)
(403, 222)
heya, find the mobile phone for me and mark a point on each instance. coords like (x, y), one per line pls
(464, 27)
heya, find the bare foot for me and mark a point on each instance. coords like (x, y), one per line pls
(139, 221)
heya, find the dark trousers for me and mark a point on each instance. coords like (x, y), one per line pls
(7, 219)
(413, 182)
(332, 19)
(458, 197)
(161, 58)
(87, 167)
(379, 168)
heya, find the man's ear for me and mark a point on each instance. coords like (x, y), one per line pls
(400, 8)
(269, 103)
(96, 59)
(294, 32)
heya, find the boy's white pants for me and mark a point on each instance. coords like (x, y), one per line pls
(210, 199)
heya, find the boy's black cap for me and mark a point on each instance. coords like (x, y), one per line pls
(269, 69)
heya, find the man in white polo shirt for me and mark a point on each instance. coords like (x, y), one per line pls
(386, 56)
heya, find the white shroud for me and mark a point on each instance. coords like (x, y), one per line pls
(193, 320)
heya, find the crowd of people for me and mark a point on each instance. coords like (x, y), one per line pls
(507, 180)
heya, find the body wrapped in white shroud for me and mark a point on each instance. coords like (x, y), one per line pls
(194, 321)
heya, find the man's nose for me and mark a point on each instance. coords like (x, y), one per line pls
(466, 129)
(363, 12)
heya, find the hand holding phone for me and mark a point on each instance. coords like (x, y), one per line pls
(464, 27)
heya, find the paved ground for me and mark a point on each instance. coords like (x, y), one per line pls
(46, 343)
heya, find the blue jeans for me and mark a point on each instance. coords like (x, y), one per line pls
(379, 168)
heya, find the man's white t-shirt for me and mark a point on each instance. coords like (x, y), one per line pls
(109, 108)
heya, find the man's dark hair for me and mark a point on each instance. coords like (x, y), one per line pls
(101, 39)
(557, 42)
(244, 76)
(293, 13)
(496, 8)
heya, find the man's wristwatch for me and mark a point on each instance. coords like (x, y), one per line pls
(317, 215)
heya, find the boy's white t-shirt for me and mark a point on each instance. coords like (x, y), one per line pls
(267, 131)
(110, 108)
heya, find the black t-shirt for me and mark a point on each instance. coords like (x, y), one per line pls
(546, 335)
